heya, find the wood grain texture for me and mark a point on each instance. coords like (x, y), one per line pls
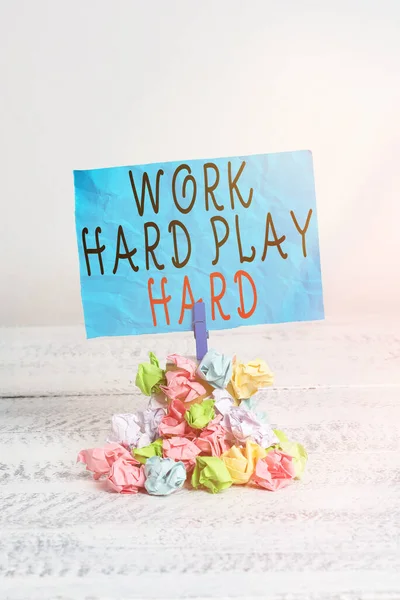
(61, 361)
(335, 535)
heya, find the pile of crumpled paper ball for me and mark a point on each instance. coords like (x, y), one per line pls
(200, 429)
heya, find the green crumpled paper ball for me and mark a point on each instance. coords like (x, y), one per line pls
(154, 449)
(295, 450)
(199, 415)
(150, 376)
(211, 473)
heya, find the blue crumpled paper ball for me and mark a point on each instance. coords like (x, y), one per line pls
(216, 368)
(164, 476)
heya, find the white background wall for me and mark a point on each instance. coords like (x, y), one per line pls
(92, 83)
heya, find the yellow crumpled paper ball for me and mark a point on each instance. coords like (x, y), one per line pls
(241, 462)
(248, 378)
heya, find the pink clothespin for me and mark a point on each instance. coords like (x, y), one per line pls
(200, 329)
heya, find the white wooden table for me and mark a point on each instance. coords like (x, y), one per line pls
(334, 535)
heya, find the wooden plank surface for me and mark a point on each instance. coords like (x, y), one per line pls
(61, 361)
(336, 534)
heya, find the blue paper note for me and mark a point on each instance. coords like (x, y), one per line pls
(239, 233)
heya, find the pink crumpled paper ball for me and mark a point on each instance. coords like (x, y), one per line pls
(181, 382)
(179, 387)
(182, 449)
(100, 460)
(174, 423)
(212, 440)
(275, 471)
(126, 476)
(184, 364)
